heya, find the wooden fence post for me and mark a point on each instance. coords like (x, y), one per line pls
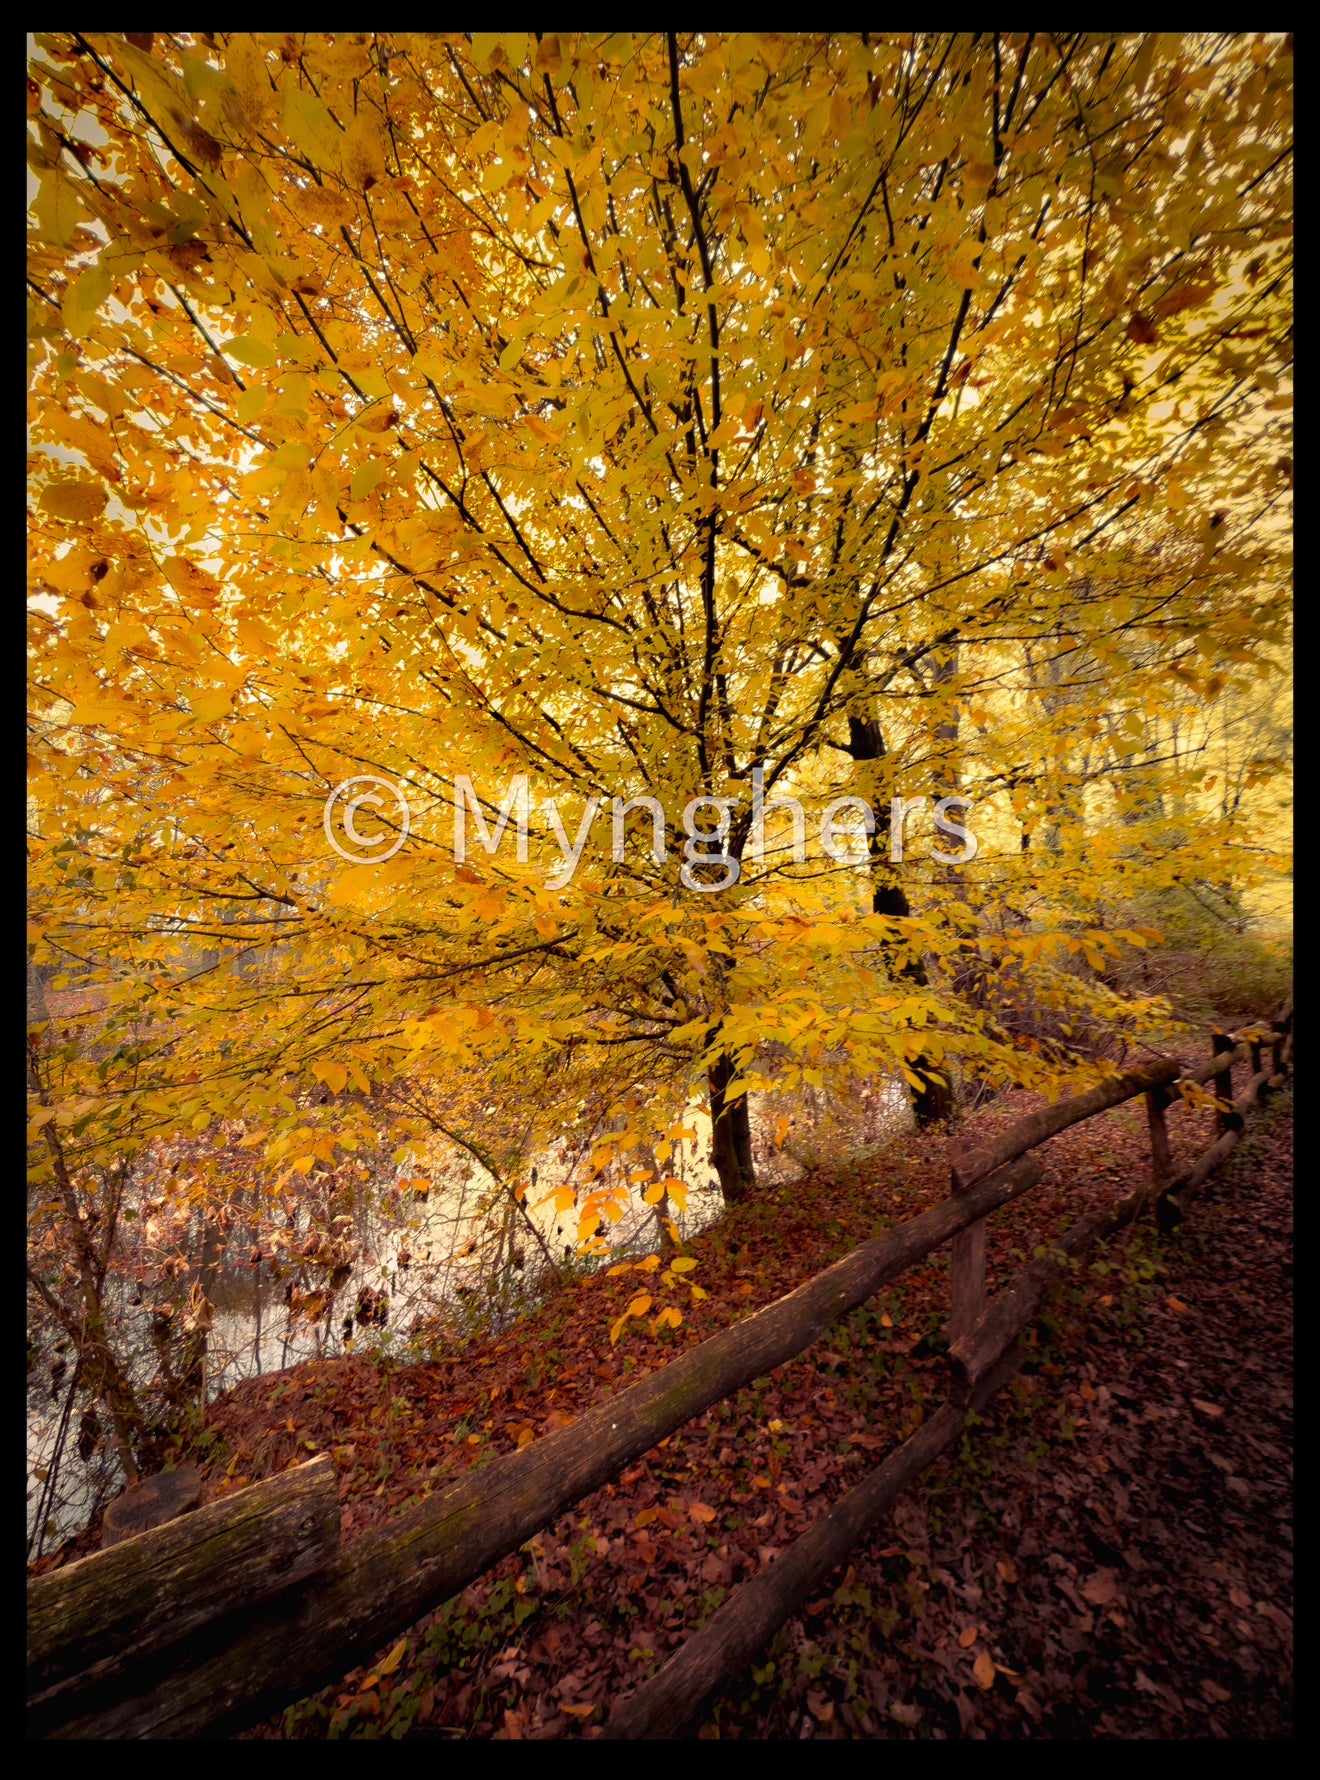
(1283, 1026)
(1219, 1043)
(967, 1275)
(1255, 1048)
(1156, 1101)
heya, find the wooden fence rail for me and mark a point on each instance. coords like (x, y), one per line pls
(197, 1633)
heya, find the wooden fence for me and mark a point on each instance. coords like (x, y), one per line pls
(212, 1622)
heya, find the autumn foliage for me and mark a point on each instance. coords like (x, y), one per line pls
(899, 415)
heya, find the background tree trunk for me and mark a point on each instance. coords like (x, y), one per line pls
(933, 1101)
(731, 1135)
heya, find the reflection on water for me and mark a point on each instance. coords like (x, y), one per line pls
(414, 1262)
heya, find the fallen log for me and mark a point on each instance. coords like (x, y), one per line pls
(101, 1616)
(385, 1580)
(151, 1503)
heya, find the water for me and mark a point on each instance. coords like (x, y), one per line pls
(253, 1331)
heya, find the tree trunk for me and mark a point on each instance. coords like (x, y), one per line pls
(935, 1100)
(197, 1343)
(731, 1135)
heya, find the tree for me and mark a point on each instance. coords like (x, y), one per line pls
(651, 416)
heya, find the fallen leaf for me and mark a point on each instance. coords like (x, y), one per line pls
(1101, 1589)
(701, 1513)
(983, 1670)
(1007, 1569)
(393, 1660)
(967, 1636)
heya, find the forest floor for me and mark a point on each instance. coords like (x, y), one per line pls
(1106, 1553)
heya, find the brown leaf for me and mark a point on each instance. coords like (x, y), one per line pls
(967, 1636)
(1141, 330)
(983, 1670)
(1007, 1569)
(1101, 1589)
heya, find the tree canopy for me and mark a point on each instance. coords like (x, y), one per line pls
(893, 414)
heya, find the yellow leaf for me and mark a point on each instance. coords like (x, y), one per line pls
(983, 1670)
(78, 501)
(365, 478)
(393, 1660)
(249, 351)
(684, 1264)
(211, 706)
(311, 128)
(250, 403)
